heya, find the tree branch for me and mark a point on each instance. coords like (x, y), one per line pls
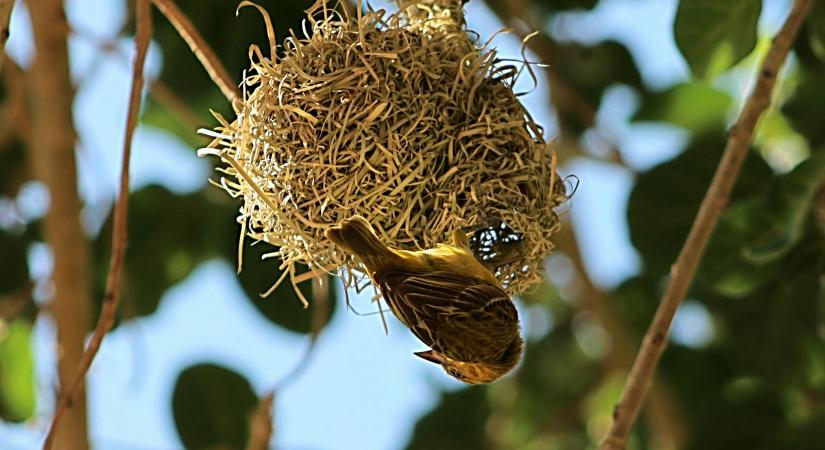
(5, 17)
(713, 204)
(51, 146)
(217, 72)
(115, 277)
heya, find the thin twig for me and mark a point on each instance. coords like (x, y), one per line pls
(261, 427)
(713, 204)
(115, 277)
(5, 17)
(157, 90)
(320, 315)
(217, 72)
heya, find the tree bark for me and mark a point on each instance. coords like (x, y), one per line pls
(52, 155)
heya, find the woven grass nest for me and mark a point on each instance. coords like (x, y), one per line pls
(401, 118)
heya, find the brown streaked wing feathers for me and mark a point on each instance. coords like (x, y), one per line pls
(465, 318)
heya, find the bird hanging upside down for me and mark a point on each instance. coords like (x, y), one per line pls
(446, 298)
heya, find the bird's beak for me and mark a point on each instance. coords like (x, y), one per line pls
(431, 356)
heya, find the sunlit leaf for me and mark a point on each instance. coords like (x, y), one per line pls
(714, 35)
(695, 106)
(17, 381)
(211, 405)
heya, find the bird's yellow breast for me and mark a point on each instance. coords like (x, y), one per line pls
(447, 258)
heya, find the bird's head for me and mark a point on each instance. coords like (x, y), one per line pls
(477, 372)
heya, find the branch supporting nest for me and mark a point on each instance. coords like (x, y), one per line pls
(217, 72)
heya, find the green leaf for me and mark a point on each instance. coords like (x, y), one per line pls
(816, 30)
(765, 333)
(724, 268)
(664, 201)
(636, 300)
(789, 203)
(456, 423)
(589, 71)
(282, 307)
(17, 381)
(755, 234)
(805, 109)
(229, 36)
(553, 378)
(714, 35)
(554, 6)
(212, 405)
(159, 116)
(169, 235)
(695, 106)
(14, 267)
(13, 170)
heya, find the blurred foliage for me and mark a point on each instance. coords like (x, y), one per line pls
(455, 423)
(212, 406)
(714, 35)
(816, 30)
(695, 106)
(229, 35)
(665, 199)
(169, 235)
(17, 383)
(759, 381)
(14, 268)
(589, 71)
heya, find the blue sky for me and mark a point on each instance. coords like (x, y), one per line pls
(362, 388)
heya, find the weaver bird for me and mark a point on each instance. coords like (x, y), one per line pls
(445, 297)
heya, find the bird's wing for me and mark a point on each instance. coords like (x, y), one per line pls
(465, 318)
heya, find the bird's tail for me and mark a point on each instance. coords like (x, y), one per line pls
(357, 236)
